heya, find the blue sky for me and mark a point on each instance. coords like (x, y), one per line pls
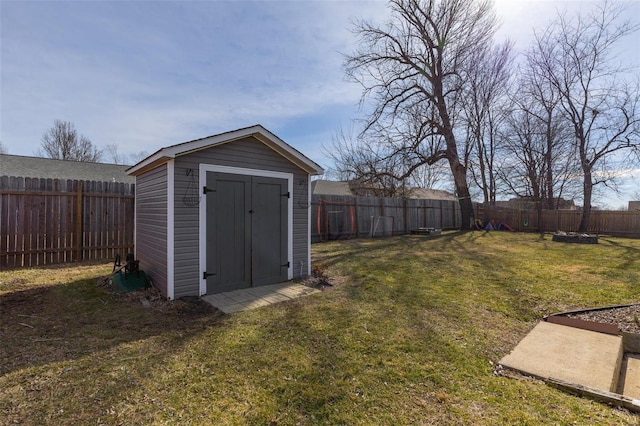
(147, 74)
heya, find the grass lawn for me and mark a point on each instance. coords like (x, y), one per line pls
(409, 334)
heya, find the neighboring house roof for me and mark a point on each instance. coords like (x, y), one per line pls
(431, 194)
(525, 203)
(258, 132)
(634, 206)
(37, 167)
(327, 187)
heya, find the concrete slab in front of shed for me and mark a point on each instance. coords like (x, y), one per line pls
(582, 357)
(255, 297)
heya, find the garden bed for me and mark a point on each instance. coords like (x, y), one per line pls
(625, 317)
(572, 237)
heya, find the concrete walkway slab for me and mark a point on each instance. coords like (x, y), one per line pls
(255, 297)
(570, 354)
(630, 385)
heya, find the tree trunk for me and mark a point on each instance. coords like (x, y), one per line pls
(462, 189)
(458, 170)
(481, 165)
(549, 164)
(587, 186)
(539, 222)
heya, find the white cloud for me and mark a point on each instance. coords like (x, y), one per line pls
(142, 74)
(149, 74)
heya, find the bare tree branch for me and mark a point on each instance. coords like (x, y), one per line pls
(62, 142)
(413, 73)
(603, 109)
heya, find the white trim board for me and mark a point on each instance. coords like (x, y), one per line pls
(170, 229)
(309, 215)
(202, 219)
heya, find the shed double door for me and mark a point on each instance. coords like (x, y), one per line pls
(246, 231)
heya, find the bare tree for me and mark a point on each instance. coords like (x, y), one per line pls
(539, 162)
(367, 166)
(530, 146)
(138, 156)
(63, 142)
(522, 163)
(414, 71)
(485, 108)
(3, 149)
(540, 101)
(113, 154)
(603, 109)
(112, 151)
(429, 176)
(381, 165)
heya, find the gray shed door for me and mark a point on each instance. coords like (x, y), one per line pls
(246, 231)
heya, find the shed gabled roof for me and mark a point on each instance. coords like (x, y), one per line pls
(258, 132)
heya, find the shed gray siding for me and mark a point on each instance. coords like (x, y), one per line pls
(151, 225)
(246, 153)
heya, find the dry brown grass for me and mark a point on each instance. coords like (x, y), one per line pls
(410, 334)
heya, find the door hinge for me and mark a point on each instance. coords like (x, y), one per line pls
(288, 195)
(286, 265)
(206, 275)
(205, 190)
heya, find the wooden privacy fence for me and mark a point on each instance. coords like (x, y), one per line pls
(341, 217)
(614, 223)
(48, 221)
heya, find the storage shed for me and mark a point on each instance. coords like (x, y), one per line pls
(224, 212)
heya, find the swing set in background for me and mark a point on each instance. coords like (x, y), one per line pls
(506, 219)
(335, 220)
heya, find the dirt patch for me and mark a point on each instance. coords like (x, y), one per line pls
(152, 298)
(627, 318)
(320, 283)
(320, 279)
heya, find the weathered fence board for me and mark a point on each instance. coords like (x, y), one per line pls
(49, 221)
(342, 217)
(614, 223)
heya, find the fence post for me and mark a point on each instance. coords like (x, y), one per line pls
(404, 201)
(79, 220)
(356, 216)
(455, 213)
